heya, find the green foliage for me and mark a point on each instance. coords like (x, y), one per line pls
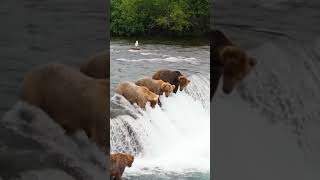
(150, 17)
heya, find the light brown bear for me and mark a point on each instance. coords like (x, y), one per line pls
(156, 86)
(228, 60)
(119, 161)
(173, 77)
(97, 66)
(137, 94)
(72, 99)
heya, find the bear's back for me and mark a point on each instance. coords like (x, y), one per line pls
(129, 90)
(168, 75)
(149, 83)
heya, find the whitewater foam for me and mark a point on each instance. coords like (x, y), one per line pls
(146, 54)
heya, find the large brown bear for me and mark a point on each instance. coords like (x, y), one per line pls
(97, 66)
(156, 86)
(119, 162)
(72, 99)
(229, 60)
(137, 94)
(172, 77)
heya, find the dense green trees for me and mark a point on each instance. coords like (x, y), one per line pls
(159, 17)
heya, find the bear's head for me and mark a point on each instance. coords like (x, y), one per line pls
(129, 159)
(151, 97)
(183, 82)
(236, 66)
(167, 88)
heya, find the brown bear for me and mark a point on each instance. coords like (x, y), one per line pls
(118, 163)
(97, 66)
(172, 77)
(137, 94)
(229, 60)
(156, 86)
(72, 99)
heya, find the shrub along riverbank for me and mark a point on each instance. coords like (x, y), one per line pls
(160, 17)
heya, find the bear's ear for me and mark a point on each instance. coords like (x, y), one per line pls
(253, 61)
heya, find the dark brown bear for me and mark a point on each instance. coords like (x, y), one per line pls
(172, 77)
(229, 60)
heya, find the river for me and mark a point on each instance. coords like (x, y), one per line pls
(171, 142)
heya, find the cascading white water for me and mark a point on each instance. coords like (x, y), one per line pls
(171, 138)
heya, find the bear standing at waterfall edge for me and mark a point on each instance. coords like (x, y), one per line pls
(137, 94)
(71, 99)
(227, 60)
(118, 163)
(172, 77)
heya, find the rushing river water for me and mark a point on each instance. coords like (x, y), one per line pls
(171, 142)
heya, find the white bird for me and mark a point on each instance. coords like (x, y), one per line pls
(136, 44)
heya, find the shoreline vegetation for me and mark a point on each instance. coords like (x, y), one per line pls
(169, 18)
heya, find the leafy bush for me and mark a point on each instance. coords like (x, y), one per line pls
(149, 17)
